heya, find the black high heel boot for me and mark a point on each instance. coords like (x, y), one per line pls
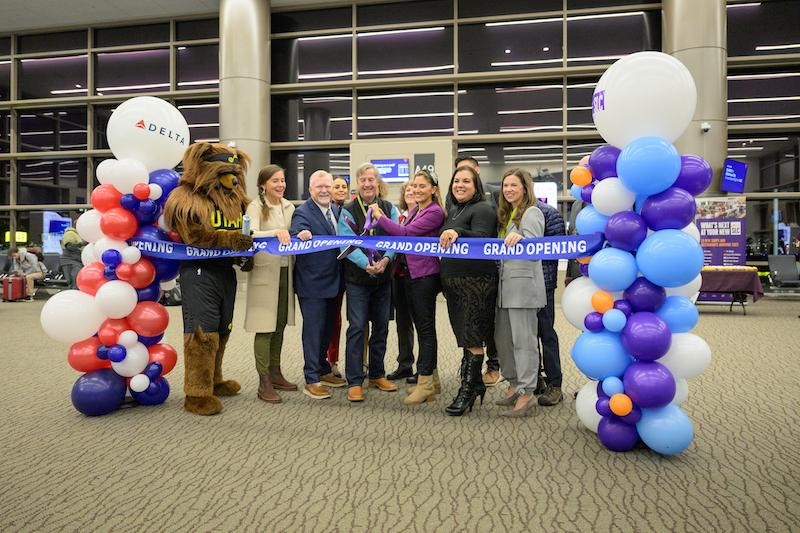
(471, 387)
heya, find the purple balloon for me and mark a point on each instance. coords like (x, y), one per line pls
(586, 193)
(695, 175)
(649, 384)
(634, 416)
(624, 306)
(602, 406)
(584, 269)
(616, 435)
(594, 322)
(646, 337)
(603, 161)
(626, 230)
(644, 295)
(151, 293)
(600, 392)
(671, 209)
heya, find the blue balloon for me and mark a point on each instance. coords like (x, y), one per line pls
(153, 371)
(649, 165)
(149, 341)
(613, 270)
(151, 293)
(590, 220)
(117, 353)
(151, 233)
(111, 258)
(575, 191)
(669, 258)
(129, 202)
(102, 351)
(600, 355)
(612, 386)
(639, 203)
(614, 320)
(156, 393)
(110, 273)
(98, 392)
(679, 313)
(147, 212)
(166, 269)
(167, 179)
(666, 430)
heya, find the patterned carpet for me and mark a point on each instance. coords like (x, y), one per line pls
(306, 465)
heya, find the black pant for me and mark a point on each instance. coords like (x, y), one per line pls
(549, 338)
(421, 298)
(405, 328)
(492, 362)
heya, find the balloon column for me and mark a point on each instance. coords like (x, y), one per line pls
(635, 301)
(114, 322)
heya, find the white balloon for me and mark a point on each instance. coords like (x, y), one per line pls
(116, 298)
(135, 360)
(687, 357)
(690, 290)
(71, 316)
(162, 223)
(610, 196)
(692, 230)
(131, 255)
(168, 285)
(150, 130)
(127, 173)
(105, 170)
(681, 392)
(155, 191)
(576, 302)
(139, 383)
(585, 405)
(644, 94)
(87, 254)
(88, 225)
(128, 338)
(107, 243)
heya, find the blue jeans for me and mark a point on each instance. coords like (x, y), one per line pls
(319, 315)
(366, 303)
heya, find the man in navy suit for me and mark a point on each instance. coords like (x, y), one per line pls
(317, 279)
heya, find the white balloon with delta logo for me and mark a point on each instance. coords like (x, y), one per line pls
(150, 130)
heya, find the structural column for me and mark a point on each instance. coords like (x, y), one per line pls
(695, 32)
(244, 80)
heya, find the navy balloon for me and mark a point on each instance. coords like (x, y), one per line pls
(149, 341)
(147, 212)
(129, 202)
(165, 178)
(151, 233)
(111, 257)
(117, 353)
(156, 393)
(102, 351)
(153, 370)
(110, 273)
(166, 269)
(151, 293)
(98, 392)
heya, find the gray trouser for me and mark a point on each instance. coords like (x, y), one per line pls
(515, 334)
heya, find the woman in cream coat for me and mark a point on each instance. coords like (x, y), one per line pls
(520, 295)
(270, 295)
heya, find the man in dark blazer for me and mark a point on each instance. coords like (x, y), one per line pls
(317, 280)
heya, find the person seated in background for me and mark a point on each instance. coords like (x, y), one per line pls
(23, 263)
(341, 190)
(70, 260)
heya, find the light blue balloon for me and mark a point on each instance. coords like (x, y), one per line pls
(649, 165)
(679, 313)
(637, 206)
(666, 430)
(575, 191)
(600, 355)
(590, 220)
(614, 320)
(612, 269)
(612, 386)
(669, 258)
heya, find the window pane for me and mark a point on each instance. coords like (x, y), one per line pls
(760, 227)
(150, 33)
(412, 52)
(771, 160)
(52, 181)
(623, 33)
(5, 80)
(758, 28)
(521, 44)
(396, 13)
(510, 109)
(311, 59)
(579, 104)
(424, 112)
(101, 115)
(132, 72)
(482, 8)
(203, 119)
(197, 29)
(587, 4)
(5, 46)
(47, 42)
(313, 19)
(769, 96)
(5, 132)
(198, 67)
(300, 165)
(576, 150)
(5, 192)
(52, 77)
(52, 129)
(312, 118)
(542, 159)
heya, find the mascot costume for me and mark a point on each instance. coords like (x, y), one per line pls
(206, 210)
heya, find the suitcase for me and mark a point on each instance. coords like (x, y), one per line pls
(14, 288)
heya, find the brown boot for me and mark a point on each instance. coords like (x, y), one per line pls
(280, 382)
(202, 405)
(423, 392)
(551, 396)
(266, 391)
(199, 349)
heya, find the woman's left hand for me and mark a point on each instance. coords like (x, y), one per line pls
(283, 236)
(376, 210)
(512, 239)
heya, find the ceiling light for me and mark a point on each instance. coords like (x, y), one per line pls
(546, 49)
(413, 115)
(777, 47)
(181, 48)
(196, 106)
(749, 4)
(206, 125)
(323, 75)
(67, 91)
(404, 70)
(471, 149)
(198, 82)
(540, 147)
(762, 117)
(397, 32)
(526, 88)
(513, 129)
(408, 95)
(327, 37)
(404, 132)
(522, 63)
(507, 50)
(764, 76)
(764, 99)
(746, 149)
(133, 87)
(762, 139)
(524, 111)
(607, 15)
(520, 22)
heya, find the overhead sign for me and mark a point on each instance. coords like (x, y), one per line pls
(733, 174)
(392, 170)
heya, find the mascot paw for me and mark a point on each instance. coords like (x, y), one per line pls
(239, 241)
(202, 405)
(227, 388)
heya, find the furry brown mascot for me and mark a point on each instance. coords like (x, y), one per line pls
(206, 210)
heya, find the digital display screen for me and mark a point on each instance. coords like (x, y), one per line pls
(392, 170)
(733, 174)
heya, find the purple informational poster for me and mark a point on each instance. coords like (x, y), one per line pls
(721, 222)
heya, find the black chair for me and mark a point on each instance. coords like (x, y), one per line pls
(783, 271)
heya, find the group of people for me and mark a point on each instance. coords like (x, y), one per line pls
(498, 311)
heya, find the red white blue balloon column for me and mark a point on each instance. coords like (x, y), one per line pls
(114, 322)
(635, 303)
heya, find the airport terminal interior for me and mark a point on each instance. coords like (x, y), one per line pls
(405, 85)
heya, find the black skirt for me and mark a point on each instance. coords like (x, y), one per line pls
(471, 302)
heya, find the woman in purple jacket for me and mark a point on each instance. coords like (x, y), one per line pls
(422, 281)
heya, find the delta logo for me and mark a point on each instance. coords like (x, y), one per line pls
(160, 130)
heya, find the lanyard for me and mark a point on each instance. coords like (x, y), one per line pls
(363, 210)
(508, 225)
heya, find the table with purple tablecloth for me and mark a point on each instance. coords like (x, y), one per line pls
(736, 281)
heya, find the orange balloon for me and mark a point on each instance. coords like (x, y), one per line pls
(602, 301)
(620, 404)
(581, 176)
(584, 260)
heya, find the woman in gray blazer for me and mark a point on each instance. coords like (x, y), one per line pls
(520, 295)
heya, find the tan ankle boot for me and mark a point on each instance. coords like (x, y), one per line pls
(423, 392)
(437, 385)
(266, 391)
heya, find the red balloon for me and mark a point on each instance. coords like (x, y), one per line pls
(118, 223)
(142, 274)
(149, 319)
(141, 191)
(165, 354)
(82, 356)
(91, 277)
(105, 197)
(109, 330)
(124, 271)
(174, 236)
